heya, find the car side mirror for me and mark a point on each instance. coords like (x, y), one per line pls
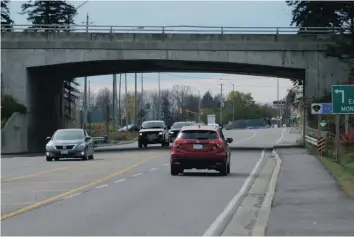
(87, 139)
(229, 140)
(47, 138)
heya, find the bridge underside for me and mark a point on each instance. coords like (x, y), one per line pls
(95, 68)
(45, 91)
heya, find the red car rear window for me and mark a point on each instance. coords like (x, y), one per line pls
(198, 134)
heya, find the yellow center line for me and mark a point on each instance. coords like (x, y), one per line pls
(61, 168)
(16, 203)
(57, 197)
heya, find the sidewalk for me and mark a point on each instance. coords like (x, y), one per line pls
(308, 201)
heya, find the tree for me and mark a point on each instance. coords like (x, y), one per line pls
(5, 15)
(103, 97)
(49, 13)
(207, 100)
(180, 94)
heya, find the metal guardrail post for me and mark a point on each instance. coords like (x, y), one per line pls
(222, 30)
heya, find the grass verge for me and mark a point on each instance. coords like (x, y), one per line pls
(343, 174)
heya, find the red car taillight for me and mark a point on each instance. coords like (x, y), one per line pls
(178, 143)
(218, 144)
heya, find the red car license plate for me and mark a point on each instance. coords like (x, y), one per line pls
(197, 146)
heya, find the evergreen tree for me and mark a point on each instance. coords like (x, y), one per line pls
(5, 15)
(59, 13)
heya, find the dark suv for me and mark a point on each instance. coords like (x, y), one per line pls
(176, 127)
(153, 132)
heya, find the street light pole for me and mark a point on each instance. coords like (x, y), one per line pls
(159, 108)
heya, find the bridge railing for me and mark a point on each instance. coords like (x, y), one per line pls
(177, 29)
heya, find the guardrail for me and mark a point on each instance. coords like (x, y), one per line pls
(97, 140)
(311, 140)
(186, 29)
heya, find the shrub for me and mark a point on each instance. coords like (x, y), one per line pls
(9, 106)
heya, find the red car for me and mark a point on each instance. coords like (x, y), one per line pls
(200, 147)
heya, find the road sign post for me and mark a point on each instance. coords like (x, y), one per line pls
(343, 103)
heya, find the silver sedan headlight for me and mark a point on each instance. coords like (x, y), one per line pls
(160, 133)
(81, 146)
(49, 147)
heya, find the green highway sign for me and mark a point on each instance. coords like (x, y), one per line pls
(343, 99)
(323, 123)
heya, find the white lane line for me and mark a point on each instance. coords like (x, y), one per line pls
(165, 165)
(102, 186)
(135, 175)
(219, 225)
(281, 137)
(153, 169)
(118, 181)
(249, 138)
(72, 195)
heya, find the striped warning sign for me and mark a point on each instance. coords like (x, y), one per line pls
(321, 144)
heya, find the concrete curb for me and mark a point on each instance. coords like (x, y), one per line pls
(263, 214)
(220, 224)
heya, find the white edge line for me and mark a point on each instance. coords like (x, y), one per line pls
(136, 175)
(165, 165)
(118, 181)
(153, 169)
(102, 186)
(72, 195)
(281, 137)
(221, 222)
(263, 214)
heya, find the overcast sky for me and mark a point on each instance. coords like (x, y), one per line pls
(206, 13)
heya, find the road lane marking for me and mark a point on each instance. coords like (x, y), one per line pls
(249, 138)
(165, 165)
(118, 181)
(73, 195)
(281, 137)
(221, 222)
(4, 180)
(60, 196)
(135, 175)
(102, 186)
(16, 203)
(46, 171)
(153, 169)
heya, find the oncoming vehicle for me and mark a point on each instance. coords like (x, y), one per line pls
(176, 127)
(69, 143)
(153, 132)
(200, 147)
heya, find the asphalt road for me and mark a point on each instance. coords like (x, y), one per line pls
(118, 193)
(243, 138)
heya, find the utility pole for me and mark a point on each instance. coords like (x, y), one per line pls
(279, 109)
(119, 100)
(114, 99)
(159, 108)
(85, 81)
(221, 103)
(199, 104)
(126, 101)
(135, 99)
(233, 102)
(142, 93)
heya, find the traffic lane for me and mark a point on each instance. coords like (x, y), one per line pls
(152, 203)
(28, 166)
(19, 193)
(240, 136)
(127, 147)
(258, 137)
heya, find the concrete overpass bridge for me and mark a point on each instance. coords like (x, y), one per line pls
(35, 62)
